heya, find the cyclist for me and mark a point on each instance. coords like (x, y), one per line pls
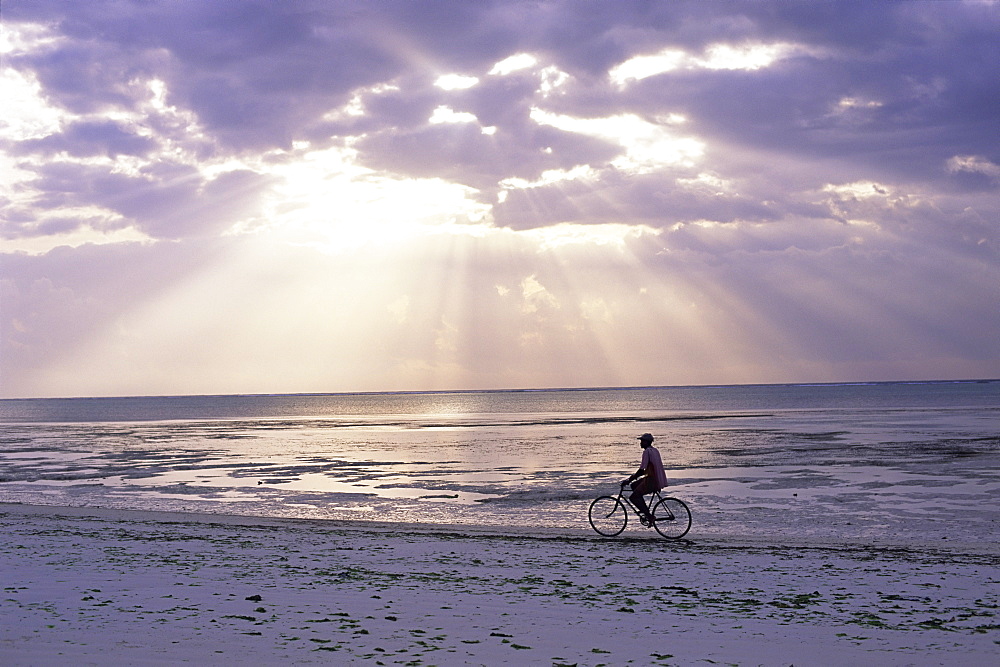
(649, 478)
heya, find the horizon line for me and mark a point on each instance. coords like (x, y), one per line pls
(419, 392)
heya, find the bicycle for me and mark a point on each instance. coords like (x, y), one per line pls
(609, 515)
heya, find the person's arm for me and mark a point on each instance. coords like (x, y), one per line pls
(641, 472)
(644, 468)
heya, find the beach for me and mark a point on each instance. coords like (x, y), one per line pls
(832, 525)
(103, 586)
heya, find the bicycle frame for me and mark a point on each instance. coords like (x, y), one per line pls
(671, 517)
(656, 497)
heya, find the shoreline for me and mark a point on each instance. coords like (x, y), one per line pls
(633, 533)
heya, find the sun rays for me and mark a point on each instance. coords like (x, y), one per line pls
(355, 199)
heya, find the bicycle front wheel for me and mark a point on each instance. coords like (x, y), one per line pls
(608, 516)
(672, 518)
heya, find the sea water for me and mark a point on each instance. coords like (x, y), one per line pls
(896, 462)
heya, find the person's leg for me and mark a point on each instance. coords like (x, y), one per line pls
(640, 488)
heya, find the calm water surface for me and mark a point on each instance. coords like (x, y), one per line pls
(888, 461)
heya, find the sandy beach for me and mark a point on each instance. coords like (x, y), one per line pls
(98, 586)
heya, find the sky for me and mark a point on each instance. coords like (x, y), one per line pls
(330, 196)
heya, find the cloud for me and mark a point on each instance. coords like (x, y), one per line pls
(485, 194)
(715, 57)
(974, 172)
(975, 164)
(86, 139)
(168, 202)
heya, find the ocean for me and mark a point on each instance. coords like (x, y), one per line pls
(905, 463)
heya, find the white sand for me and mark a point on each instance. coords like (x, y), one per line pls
(89, 586)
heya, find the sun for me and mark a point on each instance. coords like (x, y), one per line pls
(324, 199)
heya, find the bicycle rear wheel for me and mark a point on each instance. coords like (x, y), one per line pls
(672, 518)
(608, 516)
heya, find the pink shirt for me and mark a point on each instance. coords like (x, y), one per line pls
(653, 466)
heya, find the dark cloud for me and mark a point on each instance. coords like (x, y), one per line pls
(169, 201)
(90, 138)
(886, 91)
(929, 68)
(84, 77)
(258, 74)
(253, 72)
(264, 74)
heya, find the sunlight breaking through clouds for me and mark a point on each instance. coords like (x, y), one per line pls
(212, 197)
(456, 82)
(356, 107)
(609, 236)
(26, 114)
(552, 80)
(19, 38)
(152, 135)
(976, 164)
(641, 67)
(748, 57)
(324, 198)
(858, 190)
(535, 296)
(847, 103)
(445, 114)
(514, 63)
(548, 177)
(708, 183)
(647, 146)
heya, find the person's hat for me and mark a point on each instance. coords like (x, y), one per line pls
(646, 437)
